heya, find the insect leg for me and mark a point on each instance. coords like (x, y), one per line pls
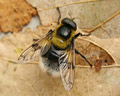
(59, 15)
(50, 31)
(75, 36)
(81, 35)
(77, 52)
(84, 34)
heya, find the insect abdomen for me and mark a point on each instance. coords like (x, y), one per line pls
(49, 61)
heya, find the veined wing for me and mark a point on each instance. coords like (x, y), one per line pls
(38, 48)
(67, 62)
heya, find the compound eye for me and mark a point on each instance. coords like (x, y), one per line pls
(69, 22)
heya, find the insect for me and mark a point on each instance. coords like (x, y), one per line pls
(56, 51)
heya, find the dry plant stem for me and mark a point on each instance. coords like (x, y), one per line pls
(101, 24)
(68, 4)
(77, 66)
(15, 61)
(9, 60)
(108, 66)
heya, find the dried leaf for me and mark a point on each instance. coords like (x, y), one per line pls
(98, 65)
(29, 80)
(92, 53)
(15, 14)
(86, 11)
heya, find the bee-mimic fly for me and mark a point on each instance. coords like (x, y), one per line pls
(56, 51)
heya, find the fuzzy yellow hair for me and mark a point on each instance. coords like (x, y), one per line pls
(60, 42)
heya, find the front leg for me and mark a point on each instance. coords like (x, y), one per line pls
(50, 31)
(79, 34)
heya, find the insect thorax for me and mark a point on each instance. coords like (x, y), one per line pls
(62, 36)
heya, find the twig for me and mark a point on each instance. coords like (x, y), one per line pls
(15, 61)
(109, 66)
(77, 66)
(9, 60)
(101, 24)
(67, 4)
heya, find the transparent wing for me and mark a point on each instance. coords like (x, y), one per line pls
(67, 62)
(38, 48)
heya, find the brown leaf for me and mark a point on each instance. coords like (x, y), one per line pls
(92, 53)
(89, 13)
(98, 65)
(29, 80)
(15, 14)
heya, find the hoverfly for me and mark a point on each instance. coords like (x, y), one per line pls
(56, 52)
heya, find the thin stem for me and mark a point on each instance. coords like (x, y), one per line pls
(109, 66)
(101, 24)
(67, 4)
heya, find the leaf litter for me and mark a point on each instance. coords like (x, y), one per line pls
(15, 14)
(28, 80)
